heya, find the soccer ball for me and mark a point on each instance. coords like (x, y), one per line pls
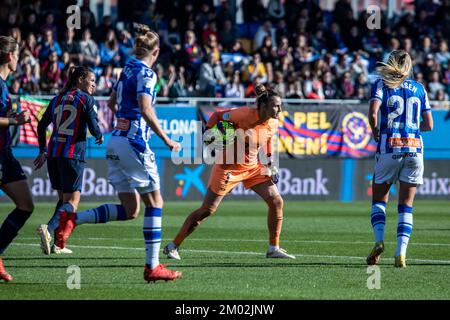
(221, 135)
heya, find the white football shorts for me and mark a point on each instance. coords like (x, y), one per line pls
(129, 169)
(406, 167)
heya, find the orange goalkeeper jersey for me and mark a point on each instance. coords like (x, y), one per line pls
(252, 135)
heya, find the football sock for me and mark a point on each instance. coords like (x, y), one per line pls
(102, 214)
(11, 226)
(274, 223)
(152, 236)
(273, 248)
(378, 219)
(53, 223)
(404, 228)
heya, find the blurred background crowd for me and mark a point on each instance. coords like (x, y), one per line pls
(294, 45)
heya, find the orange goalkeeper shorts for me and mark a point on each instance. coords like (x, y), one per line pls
(224, 178)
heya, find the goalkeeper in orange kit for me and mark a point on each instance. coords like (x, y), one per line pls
(255, 129)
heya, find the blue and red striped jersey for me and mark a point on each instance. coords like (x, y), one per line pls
(5, 108)
(71, 114)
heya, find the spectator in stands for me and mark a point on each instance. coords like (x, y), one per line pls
(362, 87)
(31, 45)
(211, 80)
(268, 51)
(329, 87)
(27, 58)
(276, 10)
(71, 46)
(254, 11)
(177, 82)
(264, 30)
(51, 74)
(171, 36)
(354, 40)
(126, 44)
(87, 16)
(106, 81)
(312, 86)
(102, 31)
(443, 55)
(224, 12)
(193, 54)
(212, 47)
(254, 69)
(279, 83)
(89, 50)
(294, 90)
(347, 86)
(161, 88)
(109, 50)
(341, 66)
(48, 45)
(210, 29)
(28, 81)
(49, 24)
(358, 66)
(235, 89)
(434, 85)
(227, 35)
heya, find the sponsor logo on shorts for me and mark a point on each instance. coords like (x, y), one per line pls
(404, 155)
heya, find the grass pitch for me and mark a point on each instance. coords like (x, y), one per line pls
(225, 257)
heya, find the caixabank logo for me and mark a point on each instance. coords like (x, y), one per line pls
(190, 178)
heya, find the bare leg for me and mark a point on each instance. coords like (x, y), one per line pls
(268, 191)
(209, 206)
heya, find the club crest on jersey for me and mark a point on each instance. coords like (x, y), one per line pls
(356, 130)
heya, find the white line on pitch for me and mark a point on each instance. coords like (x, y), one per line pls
(260, 240)
(233, 252)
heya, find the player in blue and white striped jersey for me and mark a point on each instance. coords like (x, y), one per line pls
(132, 167)
(401, 103)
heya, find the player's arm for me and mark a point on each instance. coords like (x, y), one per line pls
(148, 112)
(376, 98)
(215, 118)
(15, 119)
(373, 117)
(112, 102)
(427, 122)
(92, 122)
(146, 81)
(45, 121)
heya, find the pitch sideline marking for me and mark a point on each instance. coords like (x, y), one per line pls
(261, 240)
(231, 252)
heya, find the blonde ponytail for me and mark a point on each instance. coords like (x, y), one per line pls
(396, 70)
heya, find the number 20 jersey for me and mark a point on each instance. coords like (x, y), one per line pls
(401, 109)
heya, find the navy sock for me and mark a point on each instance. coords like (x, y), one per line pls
(11, 226)
(53, 223)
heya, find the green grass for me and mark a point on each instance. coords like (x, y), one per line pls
(225, 257)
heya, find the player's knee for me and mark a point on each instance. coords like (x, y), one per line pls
(132, 211)
(27, 205)
(208, 210)
(276, 202)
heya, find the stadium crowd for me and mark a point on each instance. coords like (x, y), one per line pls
(293, 45)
